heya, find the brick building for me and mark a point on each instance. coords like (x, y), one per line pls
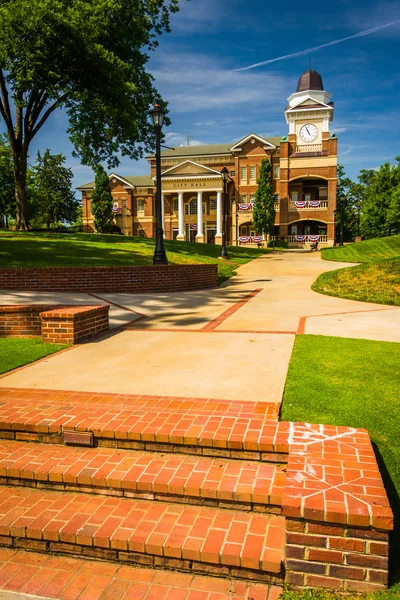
(304, 171)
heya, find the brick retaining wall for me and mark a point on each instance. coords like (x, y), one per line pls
(55, 324)
(130, 279)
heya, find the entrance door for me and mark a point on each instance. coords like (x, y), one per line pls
(211, 233)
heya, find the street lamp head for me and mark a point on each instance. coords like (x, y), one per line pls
(224, 174)
(157, 115)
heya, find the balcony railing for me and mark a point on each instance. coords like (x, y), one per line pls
(307, 239)
(308, 148)
(308, 205)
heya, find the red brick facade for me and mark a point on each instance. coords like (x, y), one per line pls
(303, 178)
(136, 279)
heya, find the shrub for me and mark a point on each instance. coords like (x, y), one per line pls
(277, 244)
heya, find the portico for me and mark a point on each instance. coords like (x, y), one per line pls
(192, 203)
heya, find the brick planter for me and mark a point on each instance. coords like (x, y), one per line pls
(134, 280)
(56, 324)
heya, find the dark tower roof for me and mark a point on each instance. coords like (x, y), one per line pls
(310, 80)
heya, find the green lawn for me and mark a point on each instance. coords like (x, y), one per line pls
(350, 382)
(20, 249)
(16, 352)
(367, 251)
(377, 279)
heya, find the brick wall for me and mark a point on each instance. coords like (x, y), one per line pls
(135, 279)
(74, 324)
(21, 321)
(336, 557)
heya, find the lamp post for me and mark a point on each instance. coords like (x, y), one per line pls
(224, 175)
(237, 227)
(341, 206)
(160, 257)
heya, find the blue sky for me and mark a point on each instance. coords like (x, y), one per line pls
(194, 69)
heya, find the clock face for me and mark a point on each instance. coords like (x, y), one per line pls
(309, 132)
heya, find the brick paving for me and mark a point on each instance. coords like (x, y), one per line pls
(78, 579)
(127, 528)
(154, 475)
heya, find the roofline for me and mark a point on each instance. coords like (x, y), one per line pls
(250, 136)
(192, 163)
(131, 185)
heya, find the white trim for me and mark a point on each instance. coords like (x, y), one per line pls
(301, 101)
(129, 185)
(202, 167)
(268, 144)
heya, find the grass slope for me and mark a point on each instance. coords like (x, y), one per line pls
(20, 249)
(18, 352)
(377, 279)
(368, 251)
(354, 383)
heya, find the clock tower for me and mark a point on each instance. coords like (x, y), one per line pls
(309, 112)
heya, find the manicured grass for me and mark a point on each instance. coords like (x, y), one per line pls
(377, 279)
(20, 249)
(355, 383)
(392, 594)
(378, 282)
(365, 252)
(16, 352)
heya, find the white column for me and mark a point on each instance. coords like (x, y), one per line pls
(163, 212)
(218, 235)
(181, 233)
(199, 236)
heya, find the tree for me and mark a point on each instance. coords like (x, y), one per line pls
(264, 211)
(380, 200)
(87, 57)
(7, 190)
(54, 199)
(102, 201)
(347, 196)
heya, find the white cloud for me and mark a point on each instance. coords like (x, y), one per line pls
(181, 139)
(193, 83)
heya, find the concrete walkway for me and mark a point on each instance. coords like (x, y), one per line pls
(234, 342)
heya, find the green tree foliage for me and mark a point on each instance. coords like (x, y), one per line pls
(380, 205)
(54, 201)
(87, 57)
(347, 198)
(102, 201)
(7, 189)
(264, 211)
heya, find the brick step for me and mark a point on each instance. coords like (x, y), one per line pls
(78, 579)
(223, 428)
(173, 477)
(201, 540)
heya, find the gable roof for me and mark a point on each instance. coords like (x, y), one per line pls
(202, 169)
(129, 180)
(315, 104)
(251, 136)
(210, 149)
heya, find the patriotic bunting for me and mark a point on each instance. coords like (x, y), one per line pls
(193, 226)
(301, 238)
(247, 206)
(256, 239)
(116, 210)
(303, 203)
(313, 238)
(300, 204)
(314, 203)
(248, 239)
(244, 239)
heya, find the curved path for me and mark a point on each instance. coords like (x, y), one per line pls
(230, 343)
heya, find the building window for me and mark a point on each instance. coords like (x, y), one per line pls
(252, 198)
(141, 233)
(193, 207)
(115, 205)
(140, 204)
(253, 172)
(176, 204)
(213, 203)
(276, 172)
(307, 197)
(323, 193)
(295, 196)
(123, 202)
(243, 173)
(232, 173)
(243, 198)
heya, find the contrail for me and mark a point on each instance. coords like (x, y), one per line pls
(303, 52)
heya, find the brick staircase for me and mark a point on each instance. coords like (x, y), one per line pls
(216, 490)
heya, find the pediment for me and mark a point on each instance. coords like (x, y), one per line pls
(251, 136)
(309, 102)
(190, 168)
(118, 180)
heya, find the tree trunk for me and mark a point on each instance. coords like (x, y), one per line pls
(21, 196)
